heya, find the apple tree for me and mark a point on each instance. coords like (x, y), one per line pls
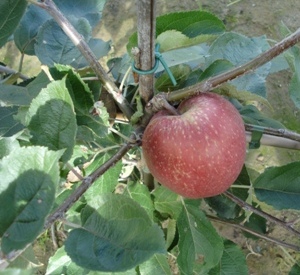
(71, 146)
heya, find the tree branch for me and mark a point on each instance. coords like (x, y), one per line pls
(261, 213)
(87, 182)
(213, 82)
(255, 233)
(85, 50)
(146, 26)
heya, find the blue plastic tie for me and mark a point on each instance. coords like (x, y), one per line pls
(158, 58)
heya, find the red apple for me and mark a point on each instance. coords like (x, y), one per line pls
(200, 152)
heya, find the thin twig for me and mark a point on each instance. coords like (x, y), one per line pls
(276, 141)
(85, 50)
(7, 70)
(274, 132)
(261, 213)
(255, 233)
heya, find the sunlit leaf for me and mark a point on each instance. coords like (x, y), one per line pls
(140, 193)
(117, 236)
(190, 23)
(107, 182)
(280, 186)
(7, 145)
(157, 265)
(51, 119)
(27, 191)
(233, 261)
(200, 246)
(167, 202)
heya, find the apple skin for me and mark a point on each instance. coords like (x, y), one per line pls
(200, 152)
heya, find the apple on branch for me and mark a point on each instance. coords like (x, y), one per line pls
(200, 152)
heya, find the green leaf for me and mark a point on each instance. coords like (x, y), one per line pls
(14, 95)
(140, 193)
(157, 265)
(215, 68)
(27, 30)
(199, 244)
(280, 186)
(89, 9)
(80, 92)
(11, 13)
(224, 207)
(107, 182)
(294, 89)
(233, 261)
(7, 145)
(186, 27)
(61, 263)
(117, 236)
(51, 119)
(99, 47)
(53, 45)
(239, 49)
(8, 125)
(27, 191)
(15, 271)
(190, 23)
(167, 202)
(173, 39)
(295, 270)
(180, 73)
(243, 96)
(252, 115)
(256, 223)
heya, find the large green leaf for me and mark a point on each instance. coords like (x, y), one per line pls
(54, 46)
(190, 23)
(239, 49)
(157, 265)
(11, 13)
(233, 261)
(200, 246)
(117, 236)
(80, 92)
(167, 202)
(26, 32)
(27, 191)
(107, 182)
(51, 119)
(280, 186)
(183, 29)
(14, 95)
(89, 9)
(141, 194)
